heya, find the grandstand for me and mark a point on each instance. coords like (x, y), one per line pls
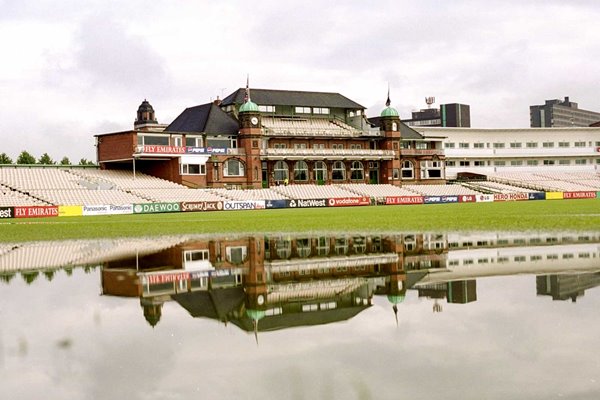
(43, 186)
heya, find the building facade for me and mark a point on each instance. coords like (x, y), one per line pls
(492, 151)
(276, 137)
(561, 113)
(448, 115)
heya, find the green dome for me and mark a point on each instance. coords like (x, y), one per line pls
(395, 299)
(255, 314)
(249, 106)
(390, 112)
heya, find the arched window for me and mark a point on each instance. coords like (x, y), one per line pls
(320, 171)
(408, 170)
(338, 171)
(301, 171)
(233, 167)
(280, 171)
(357, 171)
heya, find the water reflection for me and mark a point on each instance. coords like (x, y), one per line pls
(266, 283)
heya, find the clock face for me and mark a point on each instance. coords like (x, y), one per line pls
(254, 121)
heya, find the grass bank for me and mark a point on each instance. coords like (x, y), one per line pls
(564, 215)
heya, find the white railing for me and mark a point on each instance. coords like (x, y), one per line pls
(340, 153)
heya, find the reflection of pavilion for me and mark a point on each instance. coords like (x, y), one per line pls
(263, 283)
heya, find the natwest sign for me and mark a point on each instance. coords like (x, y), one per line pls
(7, 212)
(349, 201)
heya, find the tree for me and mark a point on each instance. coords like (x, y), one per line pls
(65, 161)
(5, 159)
(46, 159)
(25, 158)
(84, 161)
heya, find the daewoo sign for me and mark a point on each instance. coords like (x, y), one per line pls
(202, 206)
(147, 208)
(308, 203)
(390, 200)
(36, 211)
(349, 201)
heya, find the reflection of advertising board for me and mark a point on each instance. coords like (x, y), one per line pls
(307, 203)
(349, 201)
(579, 195)
(153, 279)
(467, 198)
(484, 198)
(390, 200)
(537, 196)
(7, 212)
(36, 211)
(244, 205)
(147, 208)
(276, 203)
(511, 196)
(440, 199)
(202, 206)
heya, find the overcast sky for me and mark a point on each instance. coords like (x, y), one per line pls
(72, 69)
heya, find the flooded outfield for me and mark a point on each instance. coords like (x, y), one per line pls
(355, 316)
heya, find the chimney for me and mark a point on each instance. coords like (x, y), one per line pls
(217, 102)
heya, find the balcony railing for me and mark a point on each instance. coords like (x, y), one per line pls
(331, 154)
(422, 152)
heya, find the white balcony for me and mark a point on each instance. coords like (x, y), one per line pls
(329, 154)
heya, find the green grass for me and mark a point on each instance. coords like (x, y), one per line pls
(562, 215)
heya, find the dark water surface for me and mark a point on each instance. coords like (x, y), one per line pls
(356, 316)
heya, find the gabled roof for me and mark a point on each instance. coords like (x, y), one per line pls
(406, 131)
(270, 97)
(206, 118)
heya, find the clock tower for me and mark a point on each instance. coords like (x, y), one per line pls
(390, 130)
(250, 137)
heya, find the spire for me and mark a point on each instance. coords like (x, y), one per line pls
(388, 101)
(247, 94)
(389, 111)
(248, 105)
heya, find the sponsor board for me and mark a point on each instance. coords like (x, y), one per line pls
(579, 195)
(205, 150)
(537, 196)
(70, 211)
(390, 200)
(511, 196)
(36, 211)
(466, 198)
(7, 212)
(348, 201)
(440, 199)
(148, 208)
(244, 205)
(95, 210)
(554, 195)
(121, 209)
(202, 206)
(155, 149)
(307, 203)
(484, 198)
(276, 203)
